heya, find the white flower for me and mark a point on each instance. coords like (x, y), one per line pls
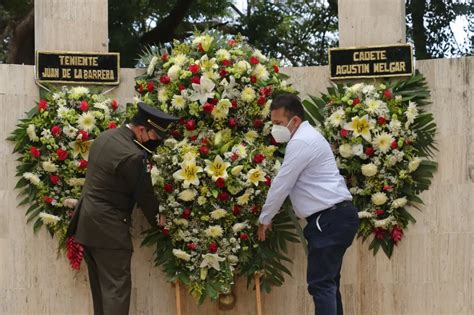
(368, 89)
(411, 112)
(62, 111)
(180, 254)
(181, 221)
(360, 126)
(86, 121)
(265, 112)
(178, 102)
(214, 231)
(222, 54)
(217, 168)
(256, 175)
(414, 164)
(77, 92)
(70, 203)
(151, 66)
(395, 126)
(345, 150)
(49, 167)
(187, 194)
(365, 215)
(239, 150)
(179, 59)
(383, 141)
(46, 133)
(399, 202)
(241, 67)
(49, 219)
(76, 181)
(170, 143)
(201, 200)
(31, 132)
(379, 198)
(244, 199)
(173, 72)
(369, 169)
(239, 227)
(163, 95)
(188, 173)
(385, 223)
(34, 179)
(257, 53)
(230, 91)
(236, 170)
(222, 109)
(372, 105)
(232, 259)
(248, 95)
(218, 214)
(356, 88)
(70, 131)
(211, 261)
(260, 72)
(337, 118)
(250, 136)
(203, 91)
(357, 149)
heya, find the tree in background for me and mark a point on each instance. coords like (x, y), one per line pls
(299, 32)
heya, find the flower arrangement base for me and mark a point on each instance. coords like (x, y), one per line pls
(227, 301)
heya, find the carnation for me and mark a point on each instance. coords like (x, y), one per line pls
(222, 54)
(173, 72)
(187, 194)
(31, 132)
(34, 179)
(49, 167)
(345, 150)
(369, 169)
(260, 72)
(399, 202)
(218, 214)
(214, 231)
(364, 214)
(49, 219)
(379, 198)
(414, 164)
(239, 227)
(383, 141)
(248, 95)
(180, 254)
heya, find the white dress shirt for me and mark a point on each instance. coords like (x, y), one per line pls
(308, 174)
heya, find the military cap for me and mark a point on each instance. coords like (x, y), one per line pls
(152, 117)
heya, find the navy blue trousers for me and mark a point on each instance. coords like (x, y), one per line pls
(328, 238)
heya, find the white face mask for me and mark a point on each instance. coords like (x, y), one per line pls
(281, 134)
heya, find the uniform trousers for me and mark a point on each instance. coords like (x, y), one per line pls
(329, 233)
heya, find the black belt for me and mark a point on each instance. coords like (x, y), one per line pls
(345, 203)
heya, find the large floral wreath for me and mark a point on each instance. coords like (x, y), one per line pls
(53, 141)
(383, 140)
(213, 174)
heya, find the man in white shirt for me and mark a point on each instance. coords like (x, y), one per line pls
(317, 191)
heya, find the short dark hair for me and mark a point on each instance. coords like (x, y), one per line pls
(290, 103)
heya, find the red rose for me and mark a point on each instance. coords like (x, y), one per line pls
(200, 48)
(223, 196)
(253, 79)
(54, 179)
(255, 209)
(397, 234)
(355, 101)
(220, 182)
(182, 121)
(204, 150)
(35, 152)
(234, 157)
(232, 122)
(166, 232)
(258, 158)
(84, 135)
(42, 105)
(381, 120)
(196, 80)
(150, 86)
(234, 104)
(387, 187)
(165, 57)
(181, 87)
(164, 79)
(223, 73)
(268, 181)
(190, 125)
(55, 131)
(168, 187)
(344, 132)
(208, 107)
(205, 141)
(276, 68)
(273, 141)
(194, 68)
(369, 151)
(254, 60)
(186, 213)
(213, 247)
(84, 106)
(244, 236)
(394, 144)
(114, 104)
(112, 125)
(140, 88)
(226, 62)
(191, 246)
(379, 212)
(261, 100)
(231, 42)
(62, 154)
(236, 210)
(257, 123)
(387, 94)
(265, 91)
(83, 164)
(176, 134)
(379, 233)
(48, 199)
(214, 101)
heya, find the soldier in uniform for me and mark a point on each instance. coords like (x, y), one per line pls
(117, 179)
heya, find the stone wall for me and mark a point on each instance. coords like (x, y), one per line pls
(429, 273)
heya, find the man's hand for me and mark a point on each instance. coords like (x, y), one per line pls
(262, 229)
(162, 220)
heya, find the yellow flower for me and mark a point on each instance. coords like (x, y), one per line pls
(244, 199)
(236, 170)
(379, 198)
(218, 214)
(256, 175)
(187, 194)
(178, 102)
(86, 121)
(214, 231)
(383, 141)
(188, 173)
(180, 254)
(248, 95)
(260, 72)
(250, 136)
(81, 147)
(360, 127)
(217, 168)
(49, 219)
